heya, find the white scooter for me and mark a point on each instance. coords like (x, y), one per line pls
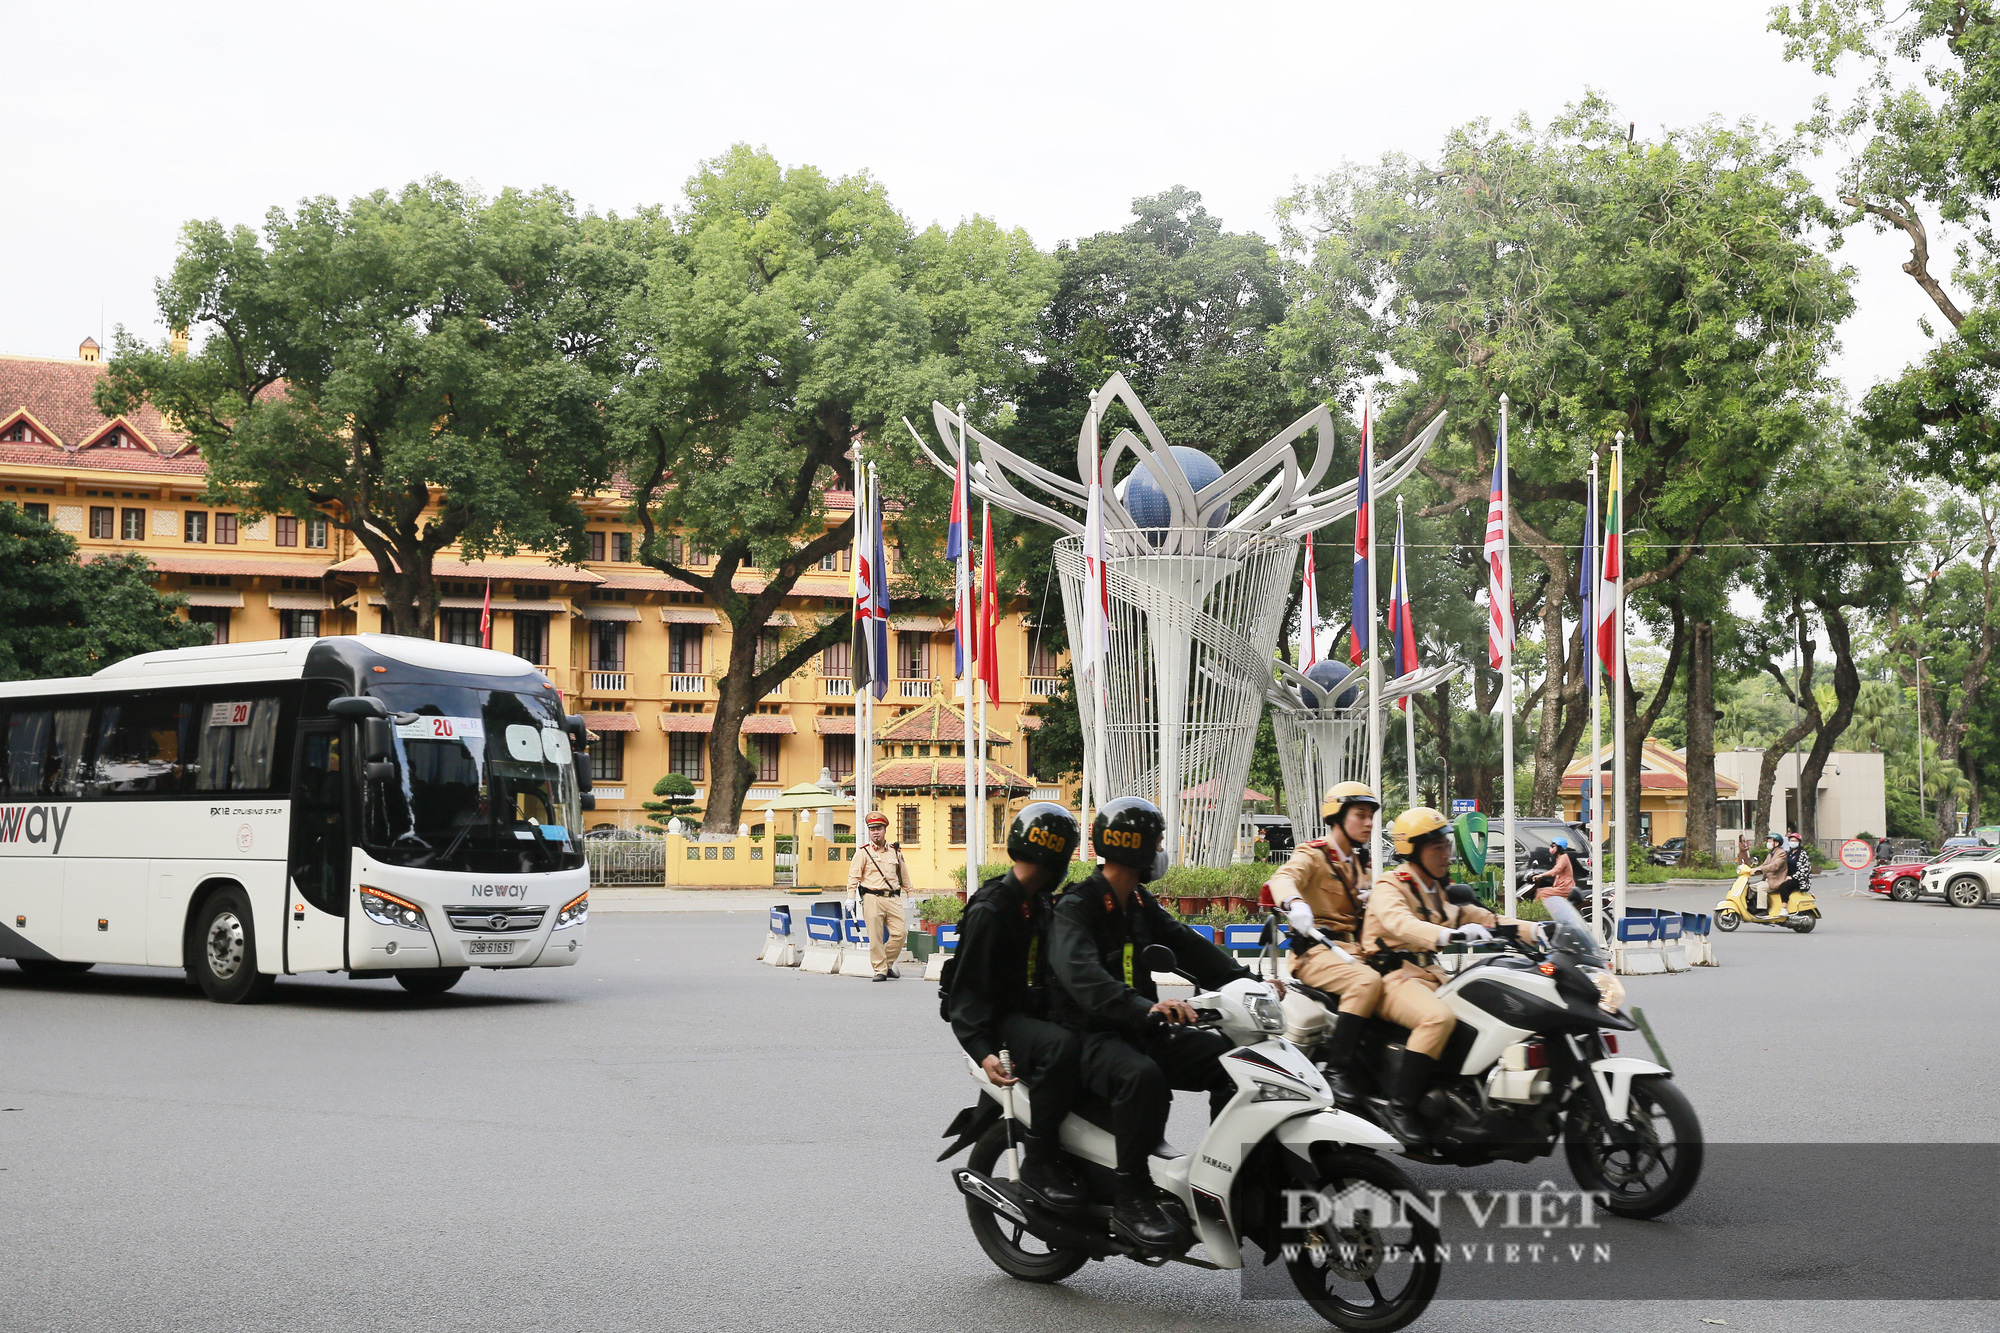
(1280, 1166)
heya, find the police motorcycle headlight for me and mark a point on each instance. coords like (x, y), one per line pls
(386, 909)
(1265, 1013)
(1273, 1092)
(1610, 990)
(574, 912)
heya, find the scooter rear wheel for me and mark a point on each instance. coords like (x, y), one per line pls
(1008, 1244)
(1346, 1273)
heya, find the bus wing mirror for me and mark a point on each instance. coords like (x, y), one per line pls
(378, 740)
(379, 770)
(357, 706)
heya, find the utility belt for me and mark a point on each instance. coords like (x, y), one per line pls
(882, 893)
(1387, 960)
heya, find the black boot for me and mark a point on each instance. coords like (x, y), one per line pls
(1337, 1056)
(1405, 1075)
(1138, 1217)
(1050, 1176)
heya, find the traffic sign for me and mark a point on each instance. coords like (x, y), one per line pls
(1856, 854)
(1461, 805)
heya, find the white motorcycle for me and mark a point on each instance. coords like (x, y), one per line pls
(1279, 1166)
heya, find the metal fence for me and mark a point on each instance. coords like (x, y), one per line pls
(626, 860)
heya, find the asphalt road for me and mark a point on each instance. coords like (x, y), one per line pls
(671, 1137)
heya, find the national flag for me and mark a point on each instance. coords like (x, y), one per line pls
(1096, 644)
(1586, 573)
(1611, 583)
(486, 618)
(989, 615)
(878, 573)
(861, 659)
(959, 552)
(1499, 570)
(1402, 624)
(1309, 613)
(1361, 614)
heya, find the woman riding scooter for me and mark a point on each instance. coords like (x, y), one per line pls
(1770, 877)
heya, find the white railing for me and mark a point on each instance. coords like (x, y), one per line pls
(1044, 685)
(837, 687)
(607, 682)
(1048, 794)
(915, 689)
(681, 683)
(604, 793)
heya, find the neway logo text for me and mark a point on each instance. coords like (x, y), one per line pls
(35, 823)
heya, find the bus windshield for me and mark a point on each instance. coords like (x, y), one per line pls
(484, 782)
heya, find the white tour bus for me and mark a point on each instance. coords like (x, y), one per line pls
(202, 808)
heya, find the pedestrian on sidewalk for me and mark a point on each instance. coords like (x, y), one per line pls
(881, 877)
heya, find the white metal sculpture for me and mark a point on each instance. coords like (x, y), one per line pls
(1198, 576)
(1321, 742)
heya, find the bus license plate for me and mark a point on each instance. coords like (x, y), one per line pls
(490, 946)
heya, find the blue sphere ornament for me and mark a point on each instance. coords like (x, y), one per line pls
(1148, 504)
(1334, 690)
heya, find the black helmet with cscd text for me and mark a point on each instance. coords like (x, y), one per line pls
(1045, 834)
(1129, 832)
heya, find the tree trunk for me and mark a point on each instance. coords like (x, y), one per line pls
(1846, 689)
(1700, 850)
(1951, 731)
(1767, 770)
(1485, 692)
(409, 593)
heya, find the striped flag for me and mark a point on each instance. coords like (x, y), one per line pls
(1361, 614)
(871, 603)
(959, 552)
(1586, 573)
(989, 615)
(1402, 624)
(1499, 571)
(1309, 613)
(1096, 597)
(1611, 582)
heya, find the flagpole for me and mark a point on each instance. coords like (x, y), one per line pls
(1409, 710)
(965, 642)
(1618, 694)
(1507, 673)
(866, 766)
(1593, 568)
(986, 648)
(1374, 655)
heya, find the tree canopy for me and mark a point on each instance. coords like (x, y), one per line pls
(59, 617)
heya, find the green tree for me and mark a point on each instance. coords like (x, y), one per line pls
(780, 335)
(1675, 290)
(425, 368)
(62, 618)
(677, 802)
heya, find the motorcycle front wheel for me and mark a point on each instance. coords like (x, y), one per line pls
(1653, 1162)
(1357, 1273)
(1011, 1246)
(1727, 919)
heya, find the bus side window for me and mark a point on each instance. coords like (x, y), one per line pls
(139, 746)
(239, 743)
(45, 752)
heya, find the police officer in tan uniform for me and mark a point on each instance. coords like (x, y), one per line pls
(1409, 914)
(882, 878)
(1319, 888)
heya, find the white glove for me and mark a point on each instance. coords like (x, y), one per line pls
(1473, 933)
(1301, 917)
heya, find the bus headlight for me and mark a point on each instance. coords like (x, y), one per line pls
(385, 908)
(574, 912)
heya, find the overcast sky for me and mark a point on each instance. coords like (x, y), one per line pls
(122, 121)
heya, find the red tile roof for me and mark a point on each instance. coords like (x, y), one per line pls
(1661, 769)
(833, 726)
(945, 774)
(56, 393)
(603, 722)
(519, 571)
(243, 566)
(768, 724)
(935, 721)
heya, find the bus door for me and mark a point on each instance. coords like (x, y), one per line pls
(316, 912)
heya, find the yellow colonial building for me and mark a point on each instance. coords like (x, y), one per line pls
(635, 652)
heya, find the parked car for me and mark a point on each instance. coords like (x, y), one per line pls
(1668, 853)
(1968, 879)
(1902, 879)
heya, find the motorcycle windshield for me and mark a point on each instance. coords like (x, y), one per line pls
(1572, 935)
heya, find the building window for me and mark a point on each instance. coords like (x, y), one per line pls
(913, 655)
(685, 753)
(216, 616)
(621, 547)
(39, 509)
(298, 624)
(225, 529)
(459, 627)
(594, 545)
(1041, 661)
(316, 533)
(100, 522)
(531, 638)
(764, 753)
(684, 649)
(194, 526)
(958, 826)
(607, 645)
(767, 648)
(999, 825)
(1734, 814)
(133, 525)
(837, 754)
(837, 659)
(906, 819)
(607, 756)
(286, 532)
(670, 548)
(697, 556)
(838, 560)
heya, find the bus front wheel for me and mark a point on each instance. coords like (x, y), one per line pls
(430, 980)
(222, 950)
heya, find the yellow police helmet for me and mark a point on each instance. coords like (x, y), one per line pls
(1342, 795)
(1413, 826)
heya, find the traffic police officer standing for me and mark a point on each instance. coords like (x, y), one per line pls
(998, 997)
(1409, 919)
(1319, 888)
(1135, 1045)
(881, 876)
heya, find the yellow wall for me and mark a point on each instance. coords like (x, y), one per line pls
(1668, 811)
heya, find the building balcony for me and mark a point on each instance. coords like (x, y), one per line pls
(681, 684)
(607, 682)
(913, 689)
(1044, 686)
(836, 687)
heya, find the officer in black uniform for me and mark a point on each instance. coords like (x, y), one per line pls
(999, 997)
(1136, 1046)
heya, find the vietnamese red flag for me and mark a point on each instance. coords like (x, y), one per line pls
(486, 618)
(989, 615)
(1402, 624)
(1611, 582)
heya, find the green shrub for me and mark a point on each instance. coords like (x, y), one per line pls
(944, 907)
